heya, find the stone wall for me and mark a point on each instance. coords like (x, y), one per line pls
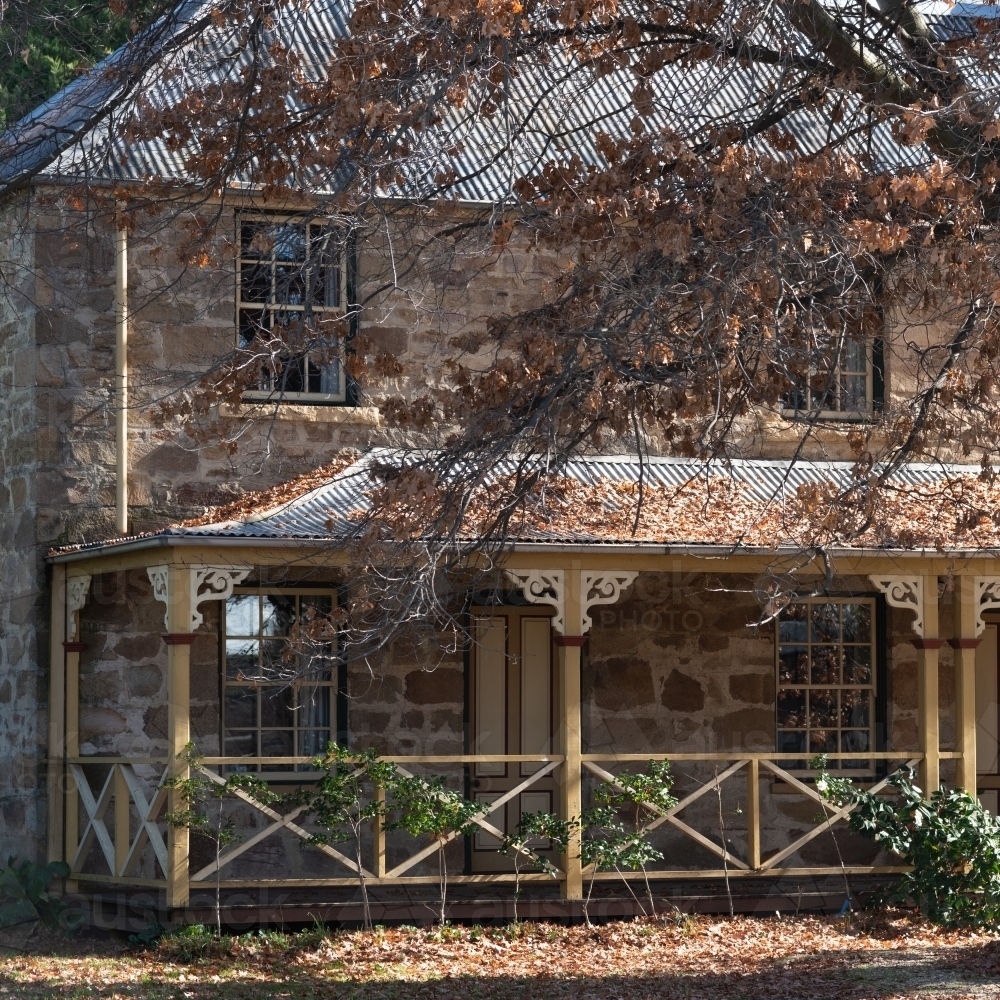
(23, 611)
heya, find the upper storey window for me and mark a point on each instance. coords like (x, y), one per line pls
(291, 290)
(842, 380)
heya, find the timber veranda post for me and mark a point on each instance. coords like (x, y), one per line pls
(928, 723)
(964, 643)
(178, 640)
(569, 648)
(55, 770)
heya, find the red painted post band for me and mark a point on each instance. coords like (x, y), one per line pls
(964, 643)
(928, 643)
(179, 638)
(73, 647)
(570, 640)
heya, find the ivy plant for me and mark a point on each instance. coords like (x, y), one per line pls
(518, 846)
(640, 797)
(425, 807)
(203, 809)
(344, 801)
(950, 840)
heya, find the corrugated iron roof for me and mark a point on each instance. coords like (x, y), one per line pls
(569, 99)
(329, 512)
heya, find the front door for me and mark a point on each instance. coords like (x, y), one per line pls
(511, 698)
(988, 719)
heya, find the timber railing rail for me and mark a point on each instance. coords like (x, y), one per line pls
(137, 803)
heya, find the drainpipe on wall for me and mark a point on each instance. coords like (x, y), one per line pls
(121, 379)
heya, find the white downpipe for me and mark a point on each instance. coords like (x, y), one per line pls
(121, 381)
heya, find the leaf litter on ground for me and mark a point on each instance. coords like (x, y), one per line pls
(854, 958)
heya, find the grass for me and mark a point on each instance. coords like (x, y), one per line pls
(857, 958)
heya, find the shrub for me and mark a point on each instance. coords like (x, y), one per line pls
(24, 895)
(951, 841)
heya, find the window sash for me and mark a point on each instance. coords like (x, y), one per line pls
(827, 684)
(305, 377)
(273, 718)
(808, 399)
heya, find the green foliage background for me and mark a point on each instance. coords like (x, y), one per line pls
(47, 43)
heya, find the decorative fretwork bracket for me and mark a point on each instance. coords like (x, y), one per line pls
(77, 588)
(906, 592)
(541, 586)
(987, 597)
(208, 583)
(608, 586)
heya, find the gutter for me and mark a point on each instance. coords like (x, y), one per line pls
(568, 548)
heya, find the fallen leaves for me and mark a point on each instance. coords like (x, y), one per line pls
(704, 957)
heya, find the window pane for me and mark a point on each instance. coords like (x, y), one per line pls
(793, 665)
(822, 709)
(289, 242)
(857, 741)
(313, 742)
(279, 614)
(276, 707)
(855, 356)
(276, 743)
(857, 622)
(857, 665)
(825, 665)
(278, 664)
(792, 625)
(242, 658)
(854, 708)
(314, 707)
(241, 744)
(791, 742)
(853, 393)
(289, 286)
(255, 282)
(825, 623)
(823, 741)
(242, 615)
(791, 709)
(241, 707)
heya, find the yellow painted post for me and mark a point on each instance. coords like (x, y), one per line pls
(178, 639)
(379, 832)
(73, 650)
(56, 769)
(122, 832)
(753, 814)
(928, 726)
(965, 643)
(570, 735)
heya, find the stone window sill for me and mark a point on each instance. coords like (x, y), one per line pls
(354, 416)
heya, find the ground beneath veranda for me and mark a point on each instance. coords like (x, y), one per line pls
(747, 957)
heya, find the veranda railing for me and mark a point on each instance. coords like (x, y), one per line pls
(136, 804)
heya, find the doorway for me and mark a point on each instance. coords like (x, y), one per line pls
(511, 700)
(988, 719)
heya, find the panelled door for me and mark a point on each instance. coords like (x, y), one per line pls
(510, 711)
(988, 718)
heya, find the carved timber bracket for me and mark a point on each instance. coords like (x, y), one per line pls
(606, 588)
(987, 597)
(906, 592)
(208, 583)
(77, 588)
(543, 586)
(540, 586)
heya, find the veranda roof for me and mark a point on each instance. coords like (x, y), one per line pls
(741, 505)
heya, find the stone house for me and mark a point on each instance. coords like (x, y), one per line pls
(133, 621)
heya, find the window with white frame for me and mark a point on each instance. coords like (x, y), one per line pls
(279, 676)
(838, 380)
(291, 291)
(826, 680)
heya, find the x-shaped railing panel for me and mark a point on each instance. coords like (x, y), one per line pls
(95, 808)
